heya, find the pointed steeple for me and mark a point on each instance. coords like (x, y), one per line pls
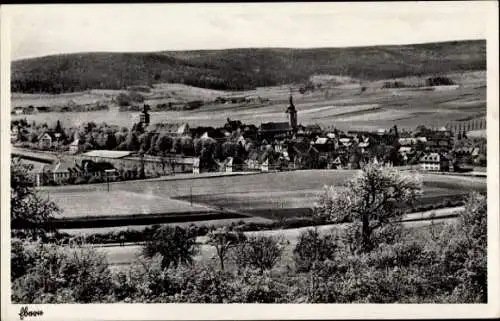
(292, 111)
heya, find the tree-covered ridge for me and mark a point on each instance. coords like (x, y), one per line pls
(236, 69)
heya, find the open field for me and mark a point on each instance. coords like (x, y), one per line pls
(340, 106)
(119, 202)
(271, 195)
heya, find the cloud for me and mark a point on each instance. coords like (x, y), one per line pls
(49, 29)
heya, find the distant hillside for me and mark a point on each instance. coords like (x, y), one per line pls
(236, 69)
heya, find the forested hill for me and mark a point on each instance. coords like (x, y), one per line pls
(235, 69)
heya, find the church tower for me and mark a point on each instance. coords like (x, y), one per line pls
(293, 113)
(144, 116)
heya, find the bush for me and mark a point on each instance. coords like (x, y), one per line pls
(22, 258)
(312, 248)
(259, 252)
(175, 244)
(258, 287)
(95, 180)
(394, 84)
(439, 81)
(80, 180)
(63, 275)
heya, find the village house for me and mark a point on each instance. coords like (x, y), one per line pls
(408, 141)
(47, 139)
(76, 146)
(263, 159)
(174, 130)
(98, 169)
(196, 165)
(345, 142)
(18, 110)
(313, 130)
(14, 134)
(63, 169)
(363, 145)
(434, 162)
(325, 145)
(227, 165)
(440, 140)
(275, 130)
(335, 163)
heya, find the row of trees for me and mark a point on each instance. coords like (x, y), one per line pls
(373, 259)
(110, 137)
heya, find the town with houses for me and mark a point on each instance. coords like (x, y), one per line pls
(96, 153)
(314, 163)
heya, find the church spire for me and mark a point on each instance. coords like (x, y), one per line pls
(292, 112)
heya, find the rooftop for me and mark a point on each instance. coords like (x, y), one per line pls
(321, 140)
(283, 126)
(107, 153)
(431, 158)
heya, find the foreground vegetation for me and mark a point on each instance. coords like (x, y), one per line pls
(374, 259)
(406, 266)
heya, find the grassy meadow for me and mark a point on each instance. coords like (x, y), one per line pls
(343, 106)
(270, 195)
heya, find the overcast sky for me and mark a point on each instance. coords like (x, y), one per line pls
(43, 30)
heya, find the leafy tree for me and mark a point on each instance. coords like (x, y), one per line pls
(371, 198)
(111, 141)
(176, 148)
(312, 247)
(29, 210)
(144, 142)
(259, 252)
(123, 100)
(207, 153)
(152, 145)
(131, 143)
(355, 158)
(224, 240)
(466, 251)
(164, 143)
(228, 149)
(175, 244)
(392, 155)
(58, 128)
(186, 146)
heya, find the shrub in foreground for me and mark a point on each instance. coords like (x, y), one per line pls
(259, 252)
(63, 274)
(313, 247)
(175, 244)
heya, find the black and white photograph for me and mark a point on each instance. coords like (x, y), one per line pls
(269, 153)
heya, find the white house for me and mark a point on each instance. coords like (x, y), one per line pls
(14, 134)
(18, 110)
(336, 163)
(228, 165)
(434, 162)
(75, 147)
(45, 140)
(265, 165)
